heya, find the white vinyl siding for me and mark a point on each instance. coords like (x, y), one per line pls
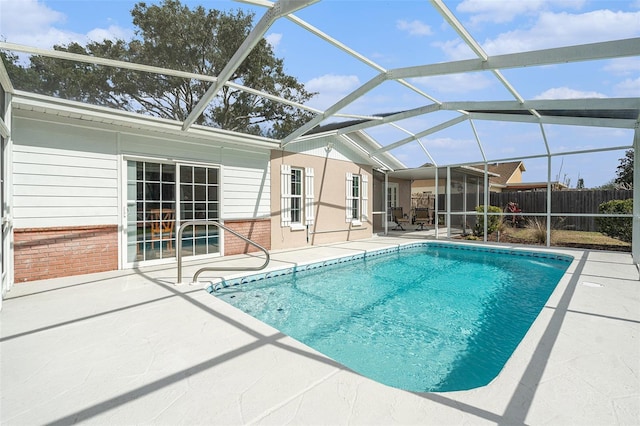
(71, 176)
(244, 175)
(63, 176)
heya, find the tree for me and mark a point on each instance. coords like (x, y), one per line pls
(173, 36)
(624, 172)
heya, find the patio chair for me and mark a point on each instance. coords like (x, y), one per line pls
(399, 218)
(162, 225)
(422, 218)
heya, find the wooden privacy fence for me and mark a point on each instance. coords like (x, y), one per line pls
(530, 202)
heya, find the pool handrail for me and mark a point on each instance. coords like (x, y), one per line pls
(213, 268)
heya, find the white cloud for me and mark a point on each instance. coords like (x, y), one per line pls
(628, 88)
(414, 28)
(273, 39)
(506, 11)
(331, 88)
(623, 66)
(562, 29)
(497, 11)
(567, 93)
(455, 83)
(32, 23)
(26, 16)
(114, 32)
(333, 83)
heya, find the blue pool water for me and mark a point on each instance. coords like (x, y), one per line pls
(425, 317)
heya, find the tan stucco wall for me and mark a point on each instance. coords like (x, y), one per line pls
(330, 200)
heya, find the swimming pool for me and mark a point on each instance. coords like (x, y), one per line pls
(421, 317)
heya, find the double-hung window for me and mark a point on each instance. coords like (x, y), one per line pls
(296, 196)
(357, 198)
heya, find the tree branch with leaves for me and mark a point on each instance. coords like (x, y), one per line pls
(171, 35)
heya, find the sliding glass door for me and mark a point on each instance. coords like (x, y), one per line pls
(153, 213)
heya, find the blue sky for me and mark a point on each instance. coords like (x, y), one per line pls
(398, 33)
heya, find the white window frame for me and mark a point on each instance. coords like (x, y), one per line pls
(361, 199)
(299, 196)
(307, 199)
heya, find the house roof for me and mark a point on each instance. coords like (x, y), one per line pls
(503, 171)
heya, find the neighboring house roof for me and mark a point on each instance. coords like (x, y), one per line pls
(530, 186)
(505, 171)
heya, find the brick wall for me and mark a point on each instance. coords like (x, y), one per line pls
(256, 230)
(41, 253)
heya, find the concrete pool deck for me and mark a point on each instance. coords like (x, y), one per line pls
(130, 347)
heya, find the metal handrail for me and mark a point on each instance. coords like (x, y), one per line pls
(213, 268)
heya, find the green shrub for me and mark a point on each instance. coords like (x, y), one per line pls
(616, 227)
(494, 222)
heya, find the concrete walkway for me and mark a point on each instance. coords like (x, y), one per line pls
(130, 347)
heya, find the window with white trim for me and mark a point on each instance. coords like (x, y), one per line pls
(296, 196)
(357, 198)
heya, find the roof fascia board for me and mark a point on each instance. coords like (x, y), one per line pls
(362, 151)
(281, 8)
(576, 53)
(371, 144)
(569, 121)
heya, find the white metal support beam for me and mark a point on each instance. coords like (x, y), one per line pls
(324, 36)
(5, 81)
(59, 54)
(356, 94)
(568, 121)
(578, 104)
(559, 55)
(282, 8)
(391, 118)
(429, 131)
(475, 133)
